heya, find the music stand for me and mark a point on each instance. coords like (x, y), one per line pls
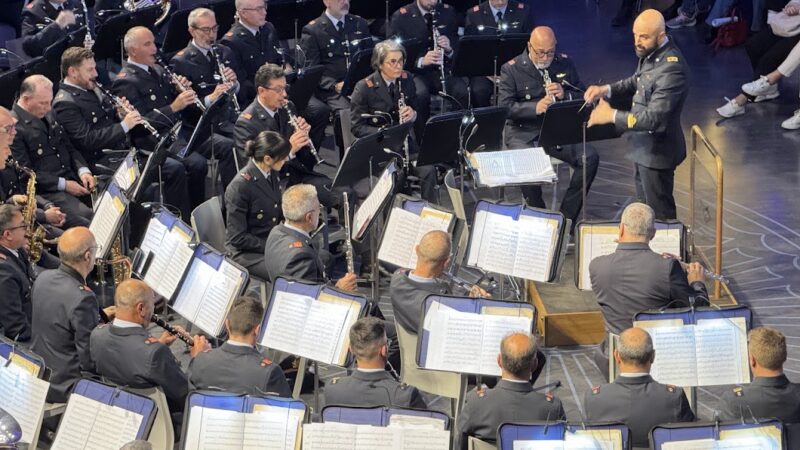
(107, 44)
(203, 131)
(11, 79)
(371, 149)
(302, 84)
(50, 66)
(225, 12)
(177, 34)
(294, 15)
(564, 123)
(441, 139)
(360, 68)
(495, 50)
(154, 162)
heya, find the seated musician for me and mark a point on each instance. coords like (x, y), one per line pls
(16, 275)
(45, 22)
(252, 202)
(237, 366)
(390, 90)
(370, 384)
(125, 353)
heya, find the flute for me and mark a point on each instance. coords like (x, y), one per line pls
(709, 274)
(118, 101)
(173, 77)
(348, 244)
(172, 330)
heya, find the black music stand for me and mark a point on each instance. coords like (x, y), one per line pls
(360, 68)
(10, 81)
(294, 14)
(177, 34)
(371, 150)
(203, 131)
(108, 41)
(495, 50)
(302, 84)
(225, 11)
(154, 162)
(50, 66)
(441, 141)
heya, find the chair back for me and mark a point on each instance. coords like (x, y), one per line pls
(162, 434)
(344, 128)
(208, 223)
(455, 194)
(474, 443)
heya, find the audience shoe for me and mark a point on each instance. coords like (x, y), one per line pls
(792, 123)
(730, 109)
(681, 21)
(760, 88)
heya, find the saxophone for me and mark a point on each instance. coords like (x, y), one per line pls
(33, 231)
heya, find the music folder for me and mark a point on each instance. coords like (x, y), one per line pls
(166, 250)
(440, 140)
(381, 416)
(517, 241)
(23, 395)
(598, 238)
(320, 436)
(739, 435)
(563, 125)
(127, 173)
(511, 167)
(360, 68)
(108, 217)
(372, 206)
(556, 435)
(463, 334)
(108, 33)
(312, 321)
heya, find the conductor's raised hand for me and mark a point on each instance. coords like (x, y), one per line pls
(602, 114)
(200, 345)
(594, 93)
(348, 282)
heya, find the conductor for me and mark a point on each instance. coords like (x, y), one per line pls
(653, 125)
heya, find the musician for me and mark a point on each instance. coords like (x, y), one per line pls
(491, 18)
(62, 175)
(408, 289)
(45, 22)
(512, 399)
(16, 276)
(414, 23)
(290, 250)
(270, 112)
(770, 394)
(634, 278)
(144, 84)
(126, 354)
(237, 366)
(522, 89)
(65, 311)
(370, 384)
(634, 398)
(382, 92)
(653, 125)
(252, 202)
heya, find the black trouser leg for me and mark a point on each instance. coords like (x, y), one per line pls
(654, 187)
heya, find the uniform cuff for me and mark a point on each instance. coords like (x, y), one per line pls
(125, 128)
(62, 184)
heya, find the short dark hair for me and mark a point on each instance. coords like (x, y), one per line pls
(267, 73)
(245, 315)
(267, 143)
(367, 335)
(74, 57)
(7, 213)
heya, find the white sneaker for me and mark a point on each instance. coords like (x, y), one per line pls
(681, 21)
(792, 123)
(758, 87)
(768, 96)
(730, 109)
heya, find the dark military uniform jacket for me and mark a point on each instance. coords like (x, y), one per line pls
(372, 94)
(239, 369)
(16, 280)
(65, 311)
(290, 253)
(131, 357)
(39, 29)
(43, 145)
(253, 208)
(763, 398)
(409, 24)
(105, 9)
(323, 44)
(372, 389)
(640, 403)
(249, 52)
(485, 409)
(522, 86)
(659, 88)
(407, 296)
(633, 279)
(517, 18)
(92, 124)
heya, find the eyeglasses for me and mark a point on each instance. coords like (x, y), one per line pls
(257, 9)
(207, 30)
(542, 53)
(395, 62)
(15, 228)
(7, 129)
(278, 89)
(95, 247)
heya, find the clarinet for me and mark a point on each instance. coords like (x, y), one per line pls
(348, 244)
(221, 70)
(546, 78)
(118, 101)
(436, 47)
(296, 126)
(401, 103)
(88, 40)
(173, 78)
(171, 330)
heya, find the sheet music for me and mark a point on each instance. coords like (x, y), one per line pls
(721, 351)
(535, 245)
(322, 331)
(667, 240)
(220, 429)
(369, 208)
(222, 290)
(538, 445)
(372, 437)
(284, 328)
(570, 442)
(105, 220)
(676, 360)
(171, 256)
(294, 421)
(153, 236)
(595, 240)
(329, 436)
(416, 438)
(339, 436)
(404, 231)
(504, 167)
(495, 328)
(91, 425)
(127, 173)
(270, 431)
(747, 443)
(23, 396)
(404, 420)
(599, 439)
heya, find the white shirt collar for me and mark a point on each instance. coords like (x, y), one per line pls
(269, 111)
(126, 324)
(249, 28)
(56, 5)
(422, 10)
(266, 174)
(419, 279)
(388, 82)
(204, 51)
(292, 227)
(516, 381)
(237, 343)
(73, 85)
(333, 20)
(495, 11)
(141, 66)
(369, 370)
(13, 252)
(633, 374)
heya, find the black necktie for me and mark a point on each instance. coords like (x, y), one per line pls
(340, 27)
(152, 72)
(392, 92)
(499, 16)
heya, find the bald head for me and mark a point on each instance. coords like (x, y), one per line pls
(542, 47)
(130, 292)
(543, 37)
(650, 21)
(635, 348)
(434, 247)
(648, 32)
(74, 243)
(518, 355)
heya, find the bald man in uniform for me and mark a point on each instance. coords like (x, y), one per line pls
(127, 355)
(512, 399)
(65, 311)
(634, 398)
(653, 125)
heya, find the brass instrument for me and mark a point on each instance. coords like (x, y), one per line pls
(546, 78)
(296, 126)
(224, 79)
(173, 78)
(135, 5)
(121, 265)
(122, 105)
(156, 319)
(34, 232)
(348, 244)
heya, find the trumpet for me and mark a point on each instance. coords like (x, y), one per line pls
(173, 78)
(124, 106)
(546, 78)
(156, 319)
(295, 124)
(348, 244)
(224, 79)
